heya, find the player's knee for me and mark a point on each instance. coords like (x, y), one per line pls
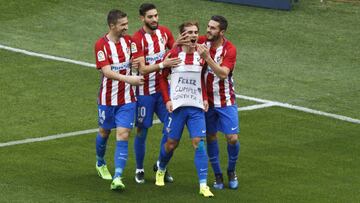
(198, 143)
(171, 145)
(232, 139)
(104, 133)
(211, 138)
(122, 134)
(142, 132)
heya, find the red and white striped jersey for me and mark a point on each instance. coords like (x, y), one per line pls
(190, 62)
(221, 92)
(117, 55)
(153, 48)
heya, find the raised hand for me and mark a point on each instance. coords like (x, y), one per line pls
(203, 51)
(170, 62)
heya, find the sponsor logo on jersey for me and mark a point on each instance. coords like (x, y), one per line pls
(120, 66)
(155, 57)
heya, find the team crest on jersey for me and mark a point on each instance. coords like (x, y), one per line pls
(219, 59)
(133, 47)
(101, 56)
(168, 130)
(162, 40)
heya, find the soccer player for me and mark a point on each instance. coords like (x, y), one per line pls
(149, 47)
(186, 105)
(220, 58)
(116, 101)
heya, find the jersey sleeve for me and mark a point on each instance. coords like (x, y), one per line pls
(100, 55)
(136, 46)
(229, 59)
(202, 39)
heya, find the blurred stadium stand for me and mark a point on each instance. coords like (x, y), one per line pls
(274, 4)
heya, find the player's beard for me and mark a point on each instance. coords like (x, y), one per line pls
(211, 37)
(152, 27)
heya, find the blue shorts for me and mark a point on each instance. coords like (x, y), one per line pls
(117, 116)
(146, 106)
(193, 117)
(223, 119)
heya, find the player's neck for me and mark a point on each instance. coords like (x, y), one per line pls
(188, 49)
(148, 30)
(113, 37)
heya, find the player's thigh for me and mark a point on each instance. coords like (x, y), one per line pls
(160, 108)
(174, 124)
(196, 122)
(106, 117)
(145, 111)
(228, 120)
(211, 119)
(125, 115)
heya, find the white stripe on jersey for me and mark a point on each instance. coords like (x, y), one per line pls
(216, 87)
(161, 45)
(127, 58)
(115, 83)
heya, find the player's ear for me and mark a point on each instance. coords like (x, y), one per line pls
(142, 18)
(222, 32)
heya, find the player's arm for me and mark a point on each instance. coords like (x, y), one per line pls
(223, 70)
(146, 69)
(204, 91)
(131, 79)
(164, 86)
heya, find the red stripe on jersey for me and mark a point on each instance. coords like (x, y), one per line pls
(155, 40)
(210, 90)
(222, 93)
(120, 53)
(157, 81)
(146, 84)
(189, 59)
(121, 89)
(232, 93)
(108, 92)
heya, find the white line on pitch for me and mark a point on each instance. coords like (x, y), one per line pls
(285, 105)
(83, 132)
(257, 106)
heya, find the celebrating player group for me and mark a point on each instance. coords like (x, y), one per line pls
(185, 81)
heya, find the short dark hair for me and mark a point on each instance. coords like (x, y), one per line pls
(146, 7)
(188, 24)
(114, 15)
(221, 20)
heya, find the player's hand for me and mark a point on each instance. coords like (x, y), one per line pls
(135, 63)
(169, 106)
(203, 51)
(135, 80)
(183, 39)
(170, 62)
(206, 105)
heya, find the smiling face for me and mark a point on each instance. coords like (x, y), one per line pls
(213, 31)
(151, 19)
(119, 29)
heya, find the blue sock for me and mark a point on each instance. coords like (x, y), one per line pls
(100, 145)
(164, 157)
(201, 162)
(139, 147)
(120, 157)
(233, 153)
(162, 142)
(213, 152)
